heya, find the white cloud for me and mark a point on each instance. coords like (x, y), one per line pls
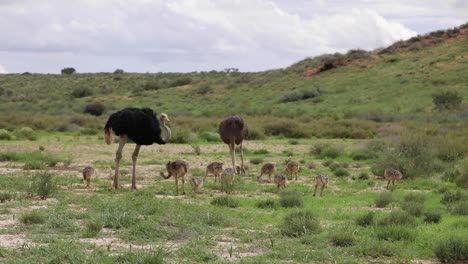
(187, 35)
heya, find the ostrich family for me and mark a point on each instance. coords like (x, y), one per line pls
(139, 125)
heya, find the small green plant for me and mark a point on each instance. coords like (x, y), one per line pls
(396, 233)
(384, 199)
(256, 161)
(341, 172)
(342, 238)
(450, 197)
(363, 176)
(5, 196)
(196, 149)
(447, 100)
(397, 217)
(93, 227)
(268, 203)
(261, 152)
(300, 223)
(432, 217)
(451, 249)
(204, 89)
(460, 208)
(462, 179)
(25, 133)
(95, 109)
(80, 92)
(33, 217)
(366, 219)
(43, 184)
(225, 201)
(291, 198)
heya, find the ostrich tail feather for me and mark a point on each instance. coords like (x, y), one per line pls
(108, 135)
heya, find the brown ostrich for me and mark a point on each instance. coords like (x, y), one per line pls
(178, 169)
(87, 173)
(233, 130)
(139, 125)
(392, 175)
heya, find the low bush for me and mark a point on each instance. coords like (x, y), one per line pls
(397, 217)
(300, 223)
(80, 92)
(204, 89)
(432, 217)
(260, 151)
(376, 249)
(268, 203)
(287, 128)
(459, 208)
(33, 217)
(5, 135)
(95, 109)
(326, 151)
(209, 136)
(256, 134)
(451, 249)
(25, 133)
(447, 100)
(341, 172)
(256, 161)
(225, 201)
(396, 233)
(413, 208)
(5, 196)
(462, 179)
(384, 199)
(43, 184)
(93, 228)
(291, 198)
(342, 238)
(450, 197)
(361, 154)
(363, 176)
(366, 219)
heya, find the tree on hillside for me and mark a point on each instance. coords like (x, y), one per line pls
(68, 70)
(447, 100)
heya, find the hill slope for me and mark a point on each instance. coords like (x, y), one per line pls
(396, 83)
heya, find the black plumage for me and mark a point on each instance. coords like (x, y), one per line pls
(140, 125)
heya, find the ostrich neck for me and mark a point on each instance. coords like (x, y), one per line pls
(168, 132)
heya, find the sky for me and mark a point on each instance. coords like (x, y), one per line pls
(202, 35)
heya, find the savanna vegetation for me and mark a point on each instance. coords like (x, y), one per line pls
(349, 116)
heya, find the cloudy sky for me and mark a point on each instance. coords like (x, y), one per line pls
(200, 35)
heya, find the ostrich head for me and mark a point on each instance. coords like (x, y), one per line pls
(164, 118)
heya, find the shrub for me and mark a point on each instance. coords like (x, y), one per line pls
(287, 128)
(297, 95)
(460, 208)
(268, 203)
(204, 89)
(80, 92)
(397, 217)
(151, 85)
(225, 201)
(300, 223)
(462, 179)
(384, 199)
(363, 176)
(451, 249)
(395, 233)
(341, 172)
(119, 71)
(452, 196)
(342, 238)
(256, 160)
(33, 217)
(93, 227)
(361, 154)
(182, 137)
(5, 135)
(180, 81)
(326, 151)
(415, 197)
(43, 184)
(376, 249)
(447, 100)
(5, 196)
(25, 133)
(366, 219)
(413, 208)
(432, 217)
(209, 136)
(68, 70)
(95, 109)
(260, 151)
(256, 134)
(291, 198)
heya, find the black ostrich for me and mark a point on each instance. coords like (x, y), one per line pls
(139, 125)
(233, 130)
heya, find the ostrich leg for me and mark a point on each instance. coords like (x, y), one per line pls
(134, 159)
(118, 157)
(242, 170)
(232, 149)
